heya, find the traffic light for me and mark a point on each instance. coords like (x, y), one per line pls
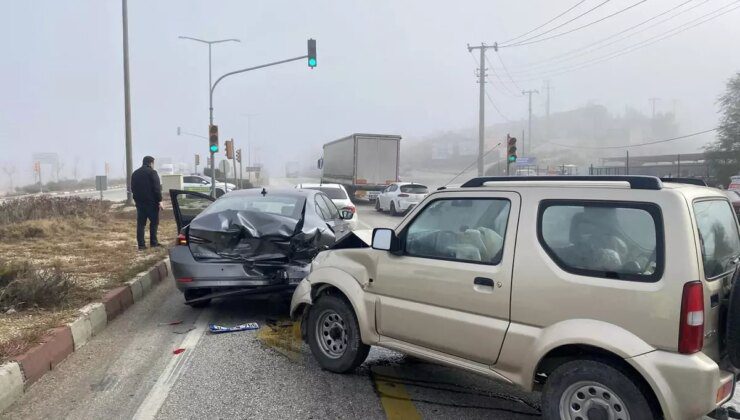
(511, 142)
(213, 138)
(239, 155)
(197, 159)
(229, 145)
(312, 53)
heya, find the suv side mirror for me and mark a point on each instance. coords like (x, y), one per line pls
(385, 240)
(346, 215)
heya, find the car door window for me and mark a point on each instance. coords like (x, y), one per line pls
(333, 212)
(470, 230)
(322, 209)
(392, 188)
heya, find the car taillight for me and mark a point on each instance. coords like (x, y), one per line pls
(691, 330)
(723, 392)
(403, 195)
(353, 209)
(181, 239)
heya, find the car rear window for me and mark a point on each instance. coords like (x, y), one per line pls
(276, 204)
(333, 193)
(616, 240)
(720, 244)
(414, 189)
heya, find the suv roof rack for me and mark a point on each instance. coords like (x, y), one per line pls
(692, 181)
(637, 182)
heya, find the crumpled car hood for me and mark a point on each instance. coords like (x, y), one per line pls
(259, 238)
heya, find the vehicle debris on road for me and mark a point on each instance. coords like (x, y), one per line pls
(219, 329)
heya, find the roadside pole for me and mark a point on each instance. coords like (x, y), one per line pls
(127, 106)
(233, 160)
(241, 178)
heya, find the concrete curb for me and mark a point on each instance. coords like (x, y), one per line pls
(11, 384)
(60, 342)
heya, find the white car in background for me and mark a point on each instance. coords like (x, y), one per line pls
(338, 195)
(199, 183)
(400, 197)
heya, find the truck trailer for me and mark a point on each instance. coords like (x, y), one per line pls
(361, 162)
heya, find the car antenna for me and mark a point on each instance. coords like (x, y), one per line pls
(264, 192)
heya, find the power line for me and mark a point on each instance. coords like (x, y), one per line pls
(498, 111)
(503, 88)
(513, 94)
(506, 70)
(581, 51)
(467, 168)
(558, 35)
(572, 146)
(563, 24)
(660, 37)
(546, 23)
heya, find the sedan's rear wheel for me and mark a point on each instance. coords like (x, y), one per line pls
(393, 209)
(334, 335)
(377, 205)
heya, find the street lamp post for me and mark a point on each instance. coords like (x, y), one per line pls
(210, 93)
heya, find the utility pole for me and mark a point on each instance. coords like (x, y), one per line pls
(241, 177)
(127, 106)
(529, 130)
(653, 101)
(481, 104)
(233, 160)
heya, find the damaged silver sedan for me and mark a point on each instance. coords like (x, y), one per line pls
(250, 242)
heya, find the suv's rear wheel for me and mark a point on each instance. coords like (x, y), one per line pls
(334, 335)
(587, 389)
(393, 209)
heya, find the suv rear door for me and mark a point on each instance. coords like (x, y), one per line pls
(449, 287)
(188, 204)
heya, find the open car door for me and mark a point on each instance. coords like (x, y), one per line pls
(188, 204)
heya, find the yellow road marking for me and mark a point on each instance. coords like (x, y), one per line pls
(394, 398)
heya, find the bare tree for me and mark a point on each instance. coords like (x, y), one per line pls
(59, 167)
(76, 167)
(9, 170)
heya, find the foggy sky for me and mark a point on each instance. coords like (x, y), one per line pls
(383, 66)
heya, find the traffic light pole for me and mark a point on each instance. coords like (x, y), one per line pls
(233, 160)
(210, 102)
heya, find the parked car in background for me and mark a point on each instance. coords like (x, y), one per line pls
(734, 183)
(400, 197)
(201, 183)
(253, 241)
(338, 195)
(617, 297)
(734, 196)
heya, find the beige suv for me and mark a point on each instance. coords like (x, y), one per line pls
(612, 295)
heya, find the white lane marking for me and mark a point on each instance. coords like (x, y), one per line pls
(158, 394)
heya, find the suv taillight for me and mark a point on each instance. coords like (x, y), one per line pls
(181, 239)
(403, 195)
(691, 330)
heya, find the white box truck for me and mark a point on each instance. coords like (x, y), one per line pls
(361, 162)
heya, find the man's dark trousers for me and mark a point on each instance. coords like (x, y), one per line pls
(144, 212)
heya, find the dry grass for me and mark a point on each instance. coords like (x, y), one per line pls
(82, 253)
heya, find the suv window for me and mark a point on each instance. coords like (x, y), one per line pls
(470, 230)
(718, 235)
(191, 180)
(617, 240)
(392, 188)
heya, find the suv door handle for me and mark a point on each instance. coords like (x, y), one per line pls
(483, 281)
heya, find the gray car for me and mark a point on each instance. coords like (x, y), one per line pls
(250, 242)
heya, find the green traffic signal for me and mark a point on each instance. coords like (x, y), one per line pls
(311, 62)
(512, 158)
(214, 148)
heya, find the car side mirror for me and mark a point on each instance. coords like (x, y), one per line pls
(385, 240)
(346, 214)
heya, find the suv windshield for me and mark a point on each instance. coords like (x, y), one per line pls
(333, 193)
(718, 235)
(414, 189)
(276, 204)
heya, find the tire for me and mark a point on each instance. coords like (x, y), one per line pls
(581, 385)
(332, 321)
(393, 209)
(732, 324)
(194, 294)
(377, 205)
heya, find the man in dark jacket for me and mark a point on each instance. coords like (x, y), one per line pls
(147, 191)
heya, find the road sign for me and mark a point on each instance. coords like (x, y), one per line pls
(524, 161)
(101, 183)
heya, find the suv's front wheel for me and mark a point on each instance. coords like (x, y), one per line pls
(587, 389)
(334, 335)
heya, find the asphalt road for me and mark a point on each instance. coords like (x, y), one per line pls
(130, 371)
